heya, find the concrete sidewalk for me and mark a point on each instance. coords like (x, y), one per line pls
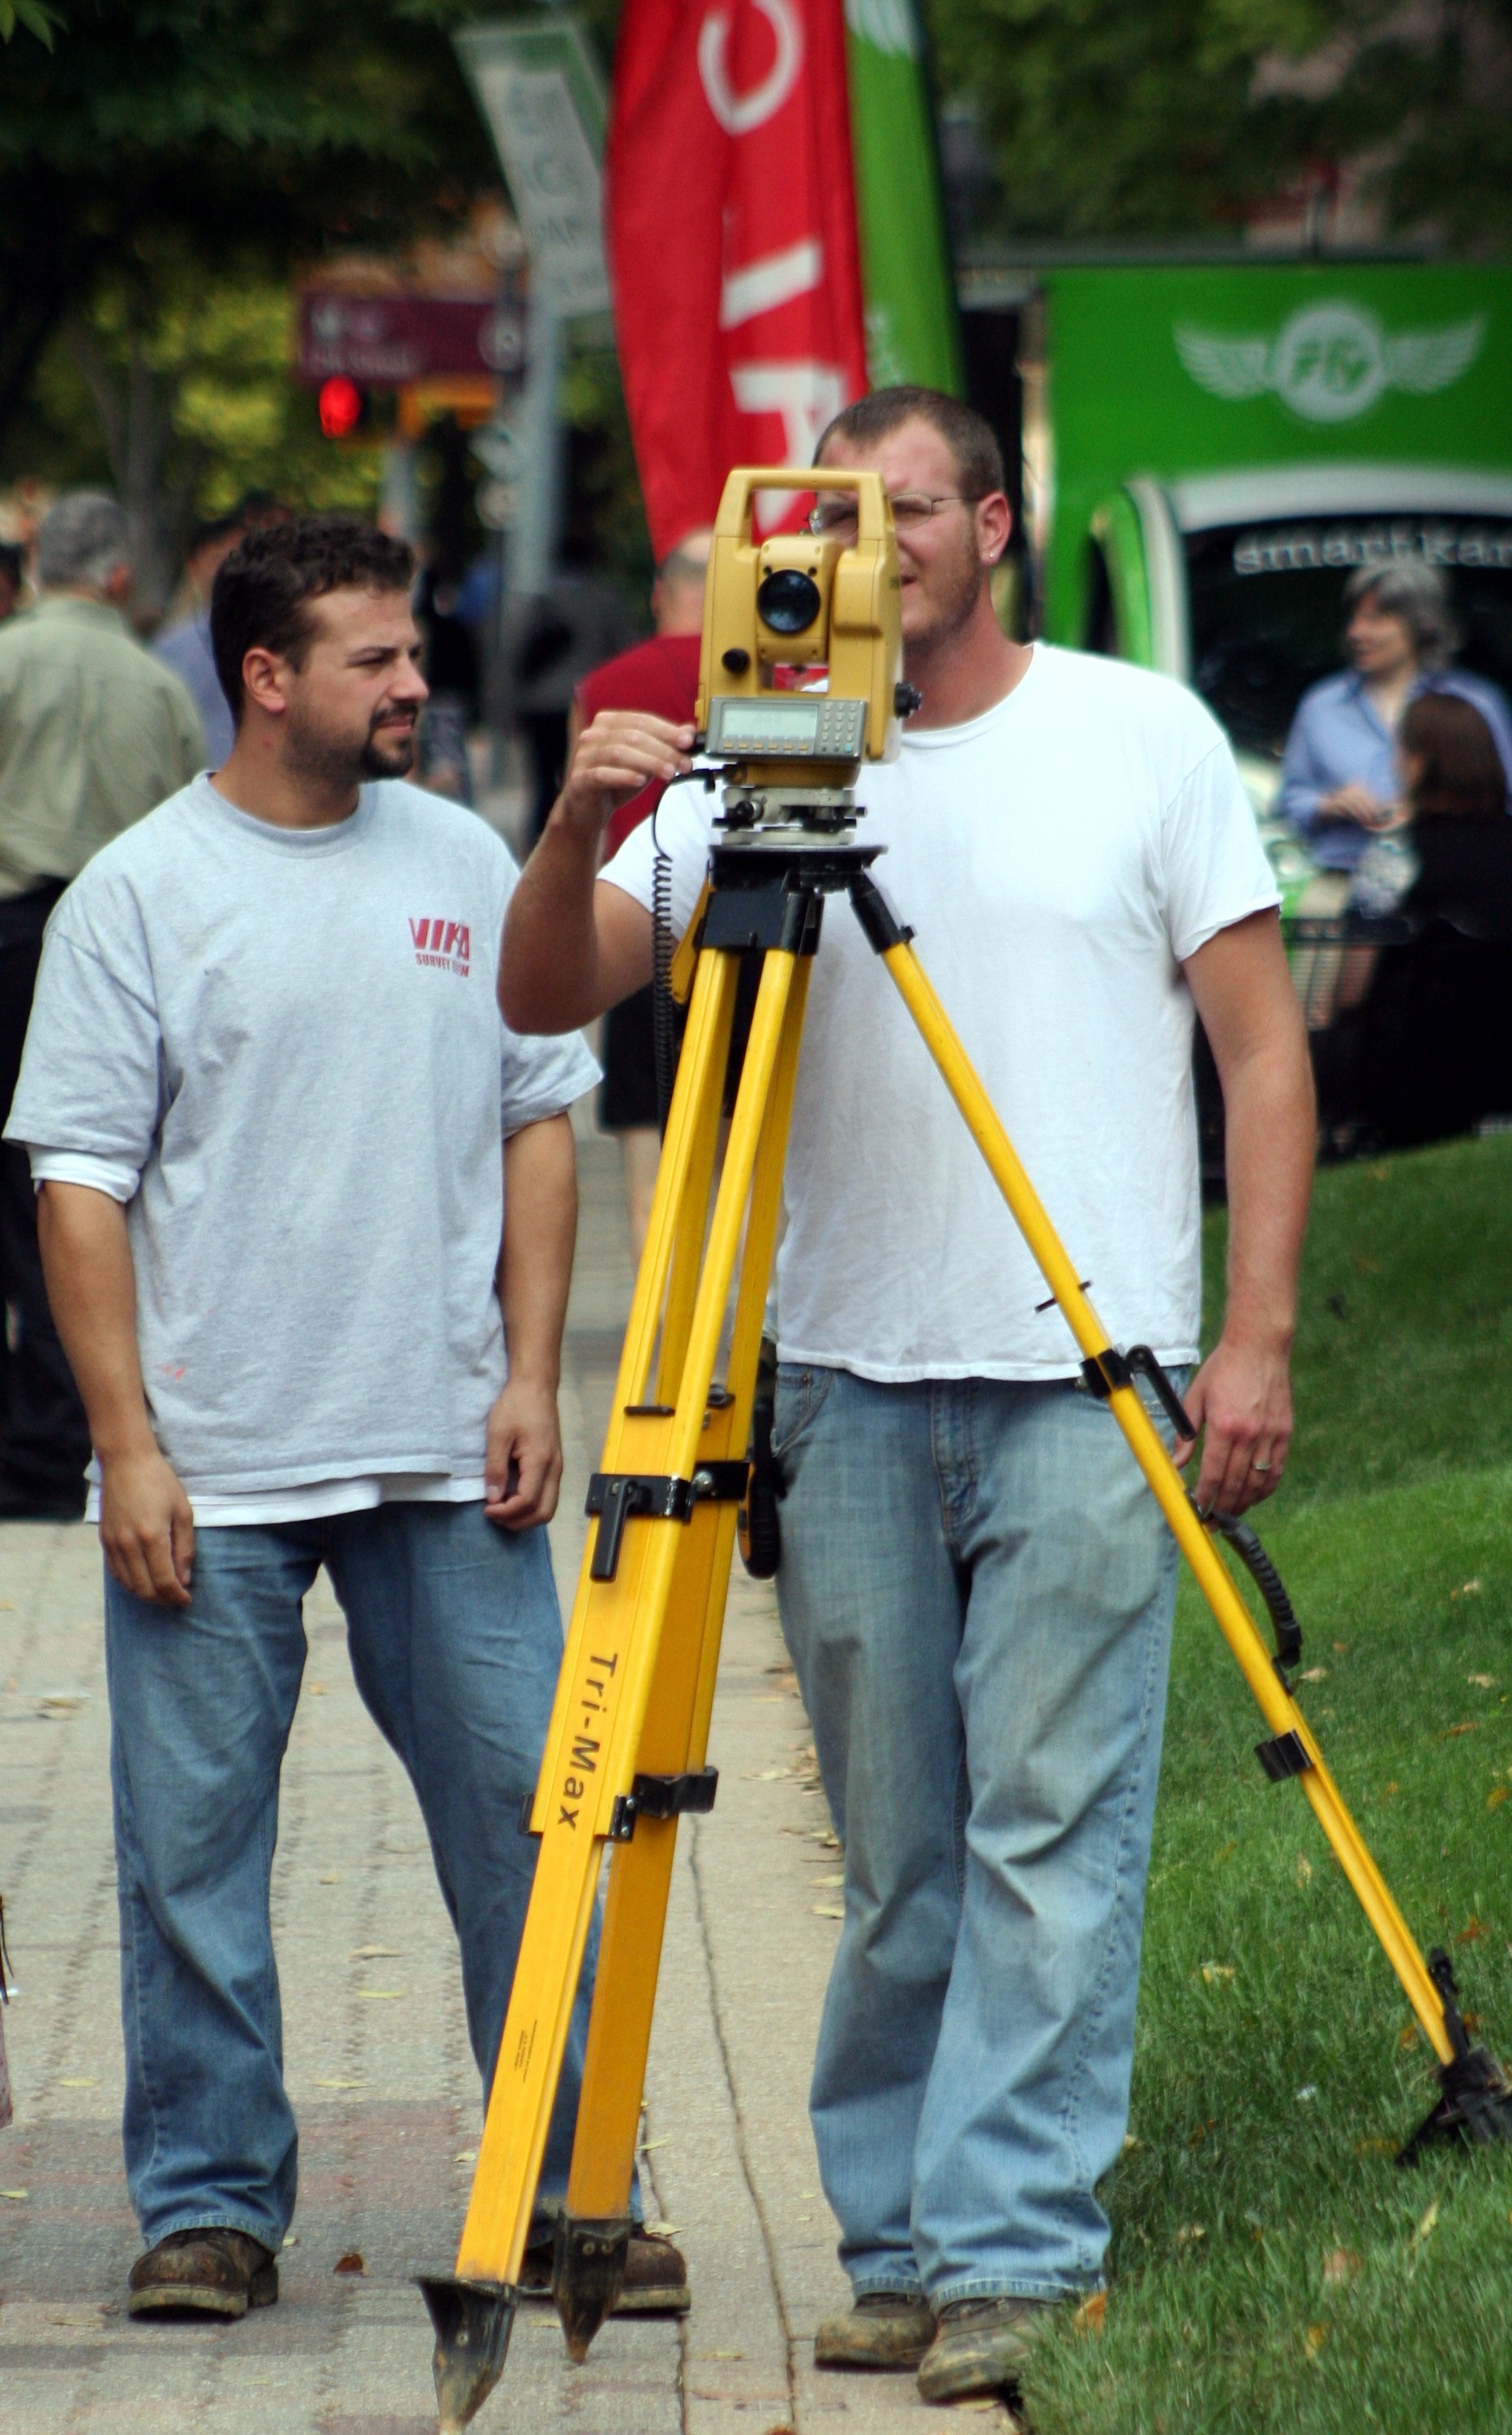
(377, 2058)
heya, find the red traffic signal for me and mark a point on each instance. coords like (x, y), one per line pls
(340, 405)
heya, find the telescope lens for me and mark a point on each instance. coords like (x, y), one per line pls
(788, 602)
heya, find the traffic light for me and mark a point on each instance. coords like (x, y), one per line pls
(342, 406)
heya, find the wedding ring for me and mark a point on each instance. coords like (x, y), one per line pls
(1255, 1465)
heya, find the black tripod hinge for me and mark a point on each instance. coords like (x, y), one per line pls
(614, 1495)
(664, 1796)
(1283, 1757)
(743, 918)
(880, 926)
(1104, 1373)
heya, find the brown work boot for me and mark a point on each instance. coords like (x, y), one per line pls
(211, 2271)
(889, 2330)
(656, 2277)
(981, 2345)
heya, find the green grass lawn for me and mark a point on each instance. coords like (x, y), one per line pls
(1273, 2267)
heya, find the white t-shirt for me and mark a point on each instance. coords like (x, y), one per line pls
(1058, 860)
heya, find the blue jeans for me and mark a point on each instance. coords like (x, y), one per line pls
(455, 1641)
(976, 1588)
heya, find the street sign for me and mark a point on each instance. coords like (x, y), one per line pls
(539, 91)
(389, 341)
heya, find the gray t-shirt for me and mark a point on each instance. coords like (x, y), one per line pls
(291, 1037)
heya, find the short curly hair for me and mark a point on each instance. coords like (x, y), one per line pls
(261, 593)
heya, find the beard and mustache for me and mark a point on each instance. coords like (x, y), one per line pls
(387, 750)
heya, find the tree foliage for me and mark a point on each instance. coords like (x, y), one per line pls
(219, 127)
(1179, 117)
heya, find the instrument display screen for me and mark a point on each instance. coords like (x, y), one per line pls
(805, 726)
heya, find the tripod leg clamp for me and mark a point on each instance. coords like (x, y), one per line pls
(1284, 1757)
(664, 1796)
(614, 1495)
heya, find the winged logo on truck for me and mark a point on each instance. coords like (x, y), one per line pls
(1332, 361)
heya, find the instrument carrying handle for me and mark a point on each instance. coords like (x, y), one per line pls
(1244, 1540)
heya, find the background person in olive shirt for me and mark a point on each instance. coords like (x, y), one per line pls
(93, 734)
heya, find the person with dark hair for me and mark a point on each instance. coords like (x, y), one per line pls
(185, 645)
(1421, 1045)
(307, 1214)
(975, 1585)
(93, 733)
(12, 577)
(1339, 775)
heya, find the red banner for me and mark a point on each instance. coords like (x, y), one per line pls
(733, 242)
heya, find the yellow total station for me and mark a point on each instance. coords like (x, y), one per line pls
(625, 1753)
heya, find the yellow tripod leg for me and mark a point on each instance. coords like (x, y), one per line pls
(598, 1720)
(675, 1742)
(1235, 1620)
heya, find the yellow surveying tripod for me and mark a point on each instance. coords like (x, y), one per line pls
(626, 1751)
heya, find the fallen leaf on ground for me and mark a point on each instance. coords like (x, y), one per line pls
(291, 2241)
(381, 1995)
(15, 2194)
(1189, 2233)
(1494, 1800)
(375, 1953)
(1428, 2225)
(663, 2230)
(1317, 2336)
(352, 2263)
(838, 1880)
(1482, 1681)
(1408, 2037)
(1088, 2318)
(1313, 1674)
(78, 2083)
(1454, 1730)
(828, 1910)
(1473, 1931)
(1218, 1974)
(1341, 2266)
(1375, 2148)
(1305, 1869)
(317, 1690)
(333, 1880)
(338, 2083)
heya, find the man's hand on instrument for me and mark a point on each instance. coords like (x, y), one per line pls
(522, 1468)
(617, 753)
(147, 1526)
(1240, 1401)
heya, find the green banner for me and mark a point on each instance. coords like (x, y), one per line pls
(912, 333)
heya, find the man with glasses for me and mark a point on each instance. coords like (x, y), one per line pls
(976, 1584)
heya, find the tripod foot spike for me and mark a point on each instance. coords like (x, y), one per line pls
(588, 2274)
(1476, 2105)
(473, 2321)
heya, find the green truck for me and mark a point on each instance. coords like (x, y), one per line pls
(1208, 449)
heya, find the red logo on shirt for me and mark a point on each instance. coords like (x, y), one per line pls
(446, 944)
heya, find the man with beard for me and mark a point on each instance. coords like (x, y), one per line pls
(976, 1584)
(307, 1213)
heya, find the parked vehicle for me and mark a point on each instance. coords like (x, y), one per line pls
(1208, 450)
